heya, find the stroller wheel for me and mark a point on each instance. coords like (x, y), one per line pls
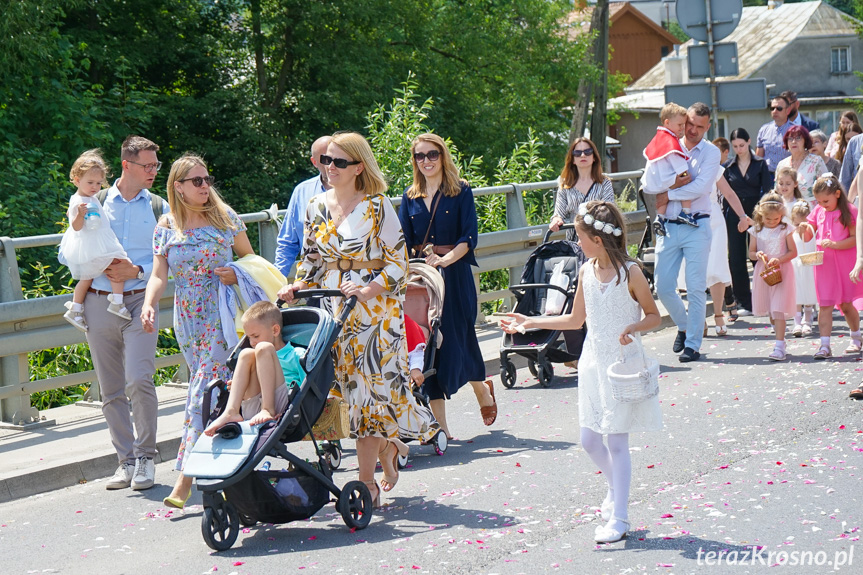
(333, 455)
(544, 373)
(247, 521)
(355, 504)
(220, 526)
(402, 461)
(507, 375)
(440, 443)
(531, 365)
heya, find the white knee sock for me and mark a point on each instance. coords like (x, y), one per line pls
(798, 318)
(116, 298)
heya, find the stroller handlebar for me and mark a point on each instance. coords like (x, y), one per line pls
(521, 288)
(311, 293)
(561, 228)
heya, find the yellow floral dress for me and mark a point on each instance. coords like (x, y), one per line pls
(371, 352)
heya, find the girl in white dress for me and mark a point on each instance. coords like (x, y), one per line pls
(89, 244)
(611, 295)
(804, 276)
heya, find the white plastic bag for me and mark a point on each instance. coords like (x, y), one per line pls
(555, 300)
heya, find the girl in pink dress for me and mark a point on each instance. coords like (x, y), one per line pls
(772, 241)
(834, 220)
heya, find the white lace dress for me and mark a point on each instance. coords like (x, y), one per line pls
(610, 308)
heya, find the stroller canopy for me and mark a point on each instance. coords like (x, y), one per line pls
(425, 295)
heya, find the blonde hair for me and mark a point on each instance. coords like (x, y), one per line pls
(89, 160)
(791, 173)
(371, 179)
(263, 312)
(800, 210)
(451, 184)
(769, 203)
(670, 110)
(215, 210)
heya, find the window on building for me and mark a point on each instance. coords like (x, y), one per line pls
(840, 57)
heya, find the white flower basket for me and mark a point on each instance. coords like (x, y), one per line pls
(635, 379)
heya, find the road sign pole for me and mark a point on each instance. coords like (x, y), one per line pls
(711, 57)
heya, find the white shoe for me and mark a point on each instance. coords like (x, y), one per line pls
(797, 330)
(122, 478)
(145, 474)
(807, 330)
(119, 309)
(743, 312)
(606, 510)
(76, 318)
(612, 532)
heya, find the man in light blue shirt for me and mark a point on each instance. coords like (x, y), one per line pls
(769, 144)
(851, 162)
(124, 355)
(683, 242)
(290, 241)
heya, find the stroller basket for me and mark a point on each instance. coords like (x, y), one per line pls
(278, 496)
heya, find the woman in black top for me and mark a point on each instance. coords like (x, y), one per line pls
(748, 176)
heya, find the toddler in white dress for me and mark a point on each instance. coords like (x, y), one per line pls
(89, 244)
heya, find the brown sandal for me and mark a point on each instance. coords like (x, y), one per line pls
(857, 393)
(489, 411)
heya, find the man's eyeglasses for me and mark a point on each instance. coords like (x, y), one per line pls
(198, 181)
(340, 163)
(776, 108)
(433, 156)
(148, 167)
(579, 153)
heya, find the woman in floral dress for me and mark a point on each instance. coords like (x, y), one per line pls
(195, 241)
(353, 242)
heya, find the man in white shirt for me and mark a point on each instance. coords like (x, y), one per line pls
(683, 242)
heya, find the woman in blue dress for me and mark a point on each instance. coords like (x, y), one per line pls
(194, 241)
(438, 210)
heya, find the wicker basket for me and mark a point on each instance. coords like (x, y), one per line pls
(334, 422)
(634, 379)
(812, 259)
(771, 276)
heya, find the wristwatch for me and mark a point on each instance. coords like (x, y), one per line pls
(140, 275)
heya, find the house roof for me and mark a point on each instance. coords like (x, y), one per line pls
(579, 20)
(762, 33)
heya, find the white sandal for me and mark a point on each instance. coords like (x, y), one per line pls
(721, 330)
(606, 534)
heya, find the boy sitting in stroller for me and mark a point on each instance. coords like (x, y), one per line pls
(264, 371)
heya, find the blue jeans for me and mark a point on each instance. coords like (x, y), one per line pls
(692, 244)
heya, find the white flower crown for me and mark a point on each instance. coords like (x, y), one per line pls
(598, 225)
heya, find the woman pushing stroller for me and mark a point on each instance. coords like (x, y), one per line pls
(438, 210)
(353, 243)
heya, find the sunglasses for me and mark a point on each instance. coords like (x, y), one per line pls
(199, 181)
(433, 156)
(777, 108)
(579, 153)
(340, 163)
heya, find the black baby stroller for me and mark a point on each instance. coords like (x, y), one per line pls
(542, 347)
(424, 299)
(224, 465)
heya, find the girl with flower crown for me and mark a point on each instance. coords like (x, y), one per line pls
(611, 296)
(772, 245)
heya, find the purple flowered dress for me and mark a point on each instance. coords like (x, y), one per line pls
(192, 257)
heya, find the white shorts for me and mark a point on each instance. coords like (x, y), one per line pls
(252, 406)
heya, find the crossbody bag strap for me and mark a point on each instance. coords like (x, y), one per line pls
(435, 203)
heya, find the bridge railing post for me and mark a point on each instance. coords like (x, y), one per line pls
(14, 369)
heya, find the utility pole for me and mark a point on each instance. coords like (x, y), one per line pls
(598, 120)
(711, 58)
(586, 86)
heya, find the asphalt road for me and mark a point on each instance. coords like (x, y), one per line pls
(753, 455)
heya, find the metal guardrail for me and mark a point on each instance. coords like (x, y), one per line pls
(36, 324)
